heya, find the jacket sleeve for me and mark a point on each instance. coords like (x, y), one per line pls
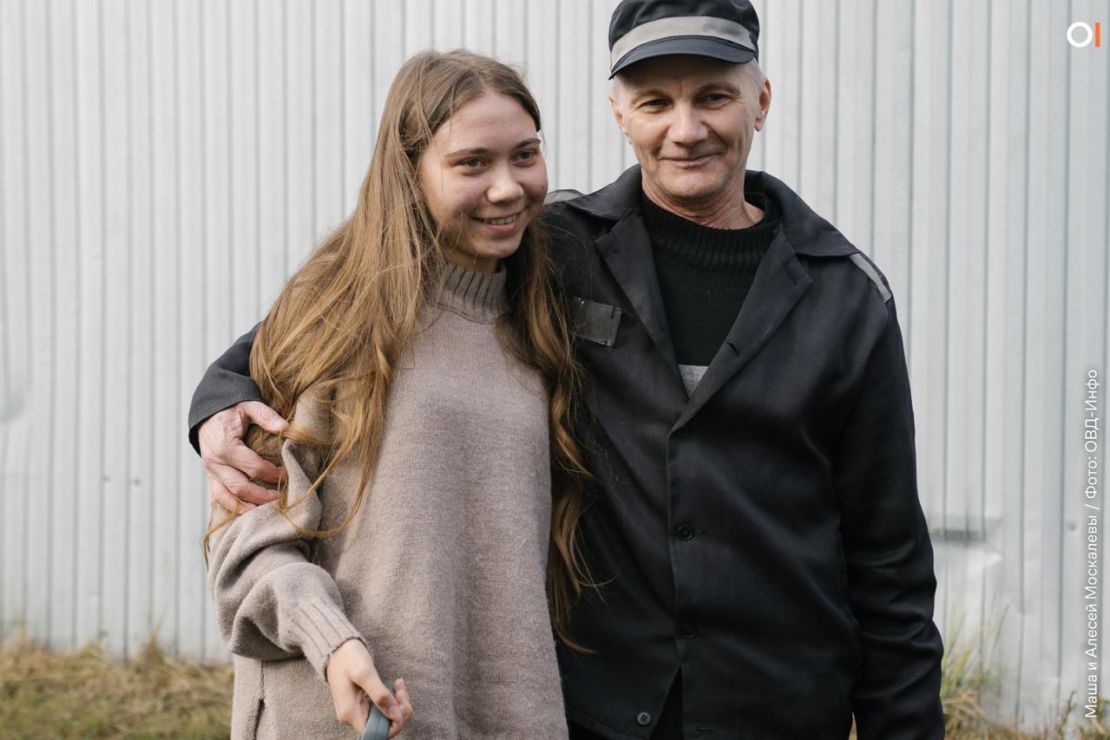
(889, 555)
(271, 601)
(226, 383)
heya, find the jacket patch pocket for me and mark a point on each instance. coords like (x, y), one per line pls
(596, 322)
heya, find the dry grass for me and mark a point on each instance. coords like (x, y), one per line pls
(89, 695)
(963, 685)
(968, 684)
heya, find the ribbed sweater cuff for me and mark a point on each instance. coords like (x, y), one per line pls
(320, 627)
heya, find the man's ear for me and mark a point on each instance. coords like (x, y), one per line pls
(614, 103)
(764, 104)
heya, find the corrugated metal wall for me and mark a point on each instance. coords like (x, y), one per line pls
(165, 164)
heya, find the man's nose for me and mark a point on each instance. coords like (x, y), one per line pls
(505, 187)
(687, 128)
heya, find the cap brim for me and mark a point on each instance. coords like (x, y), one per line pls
(698, 46)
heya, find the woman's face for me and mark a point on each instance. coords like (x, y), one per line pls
(484, 179)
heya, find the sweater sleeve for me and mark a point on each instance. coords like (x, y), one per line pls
(889, 555)
(226, 382)
(272, 602)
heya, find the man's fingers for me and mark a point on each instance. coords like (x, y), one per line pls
(251, 493)
(219, 434)
(231, 463)
(239, 486)
(250, 463)
(221, 496)
(262, 415)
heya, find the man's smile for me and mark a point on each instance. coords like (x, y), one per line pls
(691, 161)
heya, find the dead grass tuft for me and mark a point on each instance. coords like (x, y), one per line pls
(89, 695)
(968, 684)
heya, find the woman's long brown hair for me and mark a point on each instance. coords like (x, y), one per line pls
(344, 318)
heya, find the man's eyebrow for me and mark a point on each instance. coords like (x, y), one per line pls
(719, 85)
(643, 89)
(636, 94)
(639, 93)
(482, 151)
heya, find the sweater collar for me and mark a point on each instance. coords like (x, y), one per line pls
(709, 248)
(807, 233)
(476, 295)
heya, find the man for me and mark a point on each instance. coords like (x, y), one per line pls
(766, 564)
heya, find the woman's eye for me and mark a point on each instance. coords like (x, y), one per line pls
(471, 163)
(527, 155)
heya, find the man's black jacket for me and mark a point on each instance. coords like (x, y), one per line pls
(762, 537)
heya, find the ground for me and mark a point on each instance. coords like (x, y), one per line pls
(88, 695)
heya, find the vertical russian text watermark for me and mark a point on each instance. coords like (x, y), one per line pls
(1093, 591)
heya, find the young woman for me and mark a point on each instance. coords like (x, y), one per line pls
(427, 525)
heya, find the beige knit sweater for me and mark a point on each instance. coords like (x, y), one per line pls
(441, 572)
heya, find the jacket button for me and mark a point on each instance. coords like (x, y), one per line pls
(687, 631)
(684, 532)
(643, 719)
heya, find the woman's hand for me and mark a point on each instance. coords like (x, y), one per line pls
(352, 678)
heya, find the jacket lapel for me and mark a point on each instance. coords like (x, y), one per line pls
(780, 282)
(627, 253)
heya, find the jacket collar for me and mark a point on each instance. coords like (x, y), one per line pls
(808, 233)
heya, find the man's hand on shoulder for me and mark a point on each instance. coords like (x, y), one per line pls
(231, 466)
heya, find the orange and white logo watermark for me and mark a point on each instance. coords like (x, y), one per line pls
(1081, 35)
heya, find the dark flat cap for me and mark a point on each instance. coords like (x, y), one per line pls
(722, 29)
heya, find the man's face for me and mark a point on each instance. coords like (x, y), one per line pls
(691, 121)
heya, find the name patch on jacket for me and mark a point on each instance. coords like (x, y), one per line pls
(597, 322)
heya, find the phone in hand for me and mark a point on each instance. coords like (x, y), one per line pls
(377, 726)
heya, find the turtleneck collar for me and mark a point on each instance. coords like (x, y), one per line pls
(709, 248)
(475, 295)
